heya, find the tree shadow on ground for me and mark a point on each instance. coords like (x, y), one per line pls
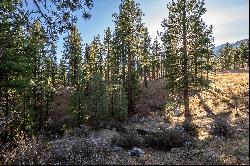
(206, 107)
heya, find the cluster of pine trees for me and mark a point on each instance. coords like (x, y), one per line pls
(106, 73)
(28, 68)
(127, 56)
(234, 58)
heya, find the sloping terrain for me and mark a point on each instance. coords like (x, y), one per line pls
(59, 118)
(58, 109)
(227, 100)
(217, 49)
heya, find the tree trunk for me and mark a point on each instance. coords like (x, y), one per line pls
(195, 71)
(207, 66)
(108, 64)
(7, 102)
(153, 73)
(145, 76)
(161, 70)
(131, 110)
(123, 75)
(185, 69)
(130, 94)
(74, 81)
(47, 107)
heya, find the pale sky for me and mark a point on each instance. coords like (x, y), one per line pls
(230, 19)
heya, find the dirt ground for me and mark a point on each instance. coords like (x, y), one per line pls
(227, 99)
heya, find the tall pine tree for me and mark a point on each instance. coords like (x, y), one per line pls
(128, 24)
(180, 38)
(72, 53)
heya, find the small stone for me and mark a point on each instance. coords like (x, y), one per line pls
(117, 148)
(177, 112)
(174, 150)
(136, 152)
(187, 144)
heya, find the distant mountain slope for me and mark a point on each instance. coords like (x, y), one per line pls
(235, 45)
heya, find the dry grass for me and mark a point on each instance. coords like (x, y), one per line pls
(227, 99)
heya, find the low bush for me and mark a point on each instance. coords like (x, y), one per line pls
(26, 151)
(128, 140)
(221, 128)
(78, 152)
(165, 140)
(191, 129)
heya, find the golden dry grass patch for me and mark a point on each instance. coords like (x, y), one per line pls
(227, 97)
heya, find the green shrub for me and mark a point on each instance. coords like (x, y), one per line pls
(99, 102)
(118, 103)
(90, 101)
(165, 140)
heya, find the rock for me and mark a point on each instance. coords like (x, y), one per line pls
(176, 112)
(117, 148)
(136, 152)
(187, 144)
(142, 132)
(174, 150)
(77, 131)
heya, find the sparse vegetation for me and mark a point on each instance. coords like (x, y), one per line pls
(128, 140)
(222, 128)
(191, 129)
(124, 97)
(166, 140)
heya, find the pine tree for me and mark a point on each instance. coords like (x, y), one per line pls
(128, 24)
(118, 102)
(98, 50)
(52, 58)
(38, 40)
(244, 53)
(89, 62)
(145, 60)
(226, 57)
(50, 74)
(15, 72)
(98, 104)
(27, 69)
(180, 41)
(235, 57)
(107, 44)
(72, 53)
(172, 56)
(155, 59)
(62, 72)
(79, 100)
(94, 58)
(200, 53)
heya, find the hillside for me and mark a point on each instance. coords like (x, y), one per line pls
(236, 44)
(226, 101)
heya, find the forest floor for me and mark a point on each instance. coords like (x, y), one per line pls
(227, 100)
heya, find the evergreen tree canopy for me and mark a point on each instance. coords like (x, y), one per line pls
(187, 45)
